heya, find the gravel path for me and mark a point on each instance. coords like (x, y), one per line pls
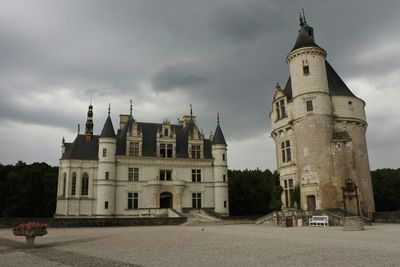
(207, 245)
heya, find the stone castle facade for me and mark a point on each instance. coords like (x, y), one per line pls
(143, 169)
(319, 126)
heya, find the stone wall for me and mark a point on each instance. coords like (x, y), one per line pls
(93, 222)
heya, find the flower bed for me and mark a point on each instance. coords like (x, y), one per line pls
(30, 230)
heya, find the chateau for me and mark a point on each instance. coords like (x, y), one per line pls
(319, 126)
(143, 169)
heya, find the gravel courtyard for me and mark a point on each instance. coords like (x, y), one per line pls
(209, 245)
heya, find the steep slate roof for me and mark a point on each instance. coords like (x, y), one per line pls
(108, 128)
(336, 85)
(219, 138)
(82, 148)
(305, 38)
(149, 141)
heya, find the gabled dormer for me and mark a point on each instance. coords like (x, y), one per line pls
(166, 140)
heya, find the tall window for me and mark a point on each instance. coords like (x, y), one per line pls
(309, 105)
(133, 201)
(165, 175)
(285, 151)
(288, 187)
(166, 150)
(196, 151)
(306, 70)
(196, 175)
(85, 184)
(196, 200)
(104, 152)
(280, 109)
(133, 174)
(134, 149)
(224, 177)
(73, 185)
(64, 184)
(107, 175)
(166, 132)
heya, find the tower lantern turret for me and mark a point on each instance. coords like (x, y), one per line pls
(89, 123)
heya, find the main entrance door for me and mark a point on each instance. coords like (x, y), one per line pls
(165, 200)
(311, 202)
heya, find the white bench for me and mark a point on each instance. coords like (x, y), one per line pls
(318, 221)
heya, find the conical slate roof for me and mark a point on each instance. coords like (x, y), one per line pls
(108, 129)
(218, 138)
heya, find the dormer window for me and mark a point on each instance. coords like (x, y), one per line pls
(196, 151)
(280, 109)
(166, 132)
(133, 149)
(166, 150)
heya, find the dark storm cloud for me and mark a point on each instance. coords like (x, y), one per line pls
(179, 75)
(224, 56)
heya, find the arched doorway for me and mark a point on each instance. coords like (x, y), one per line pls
(311, 202)
(165, 200)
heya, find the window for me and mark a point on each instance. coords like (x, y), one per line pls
(133, 174)
(288, 188)
(306, 70)
(85, 184)
(165, 132)
(223, 157)
(309, 105)
(106, 205)
(224, 177)
(286, 152)
(64, 186)
(73, 185)
(166, 150)
(196, 200)
(165, 175)
(134, 149)
(104, 152)
(280, 109)
(196, 175)
(133, 201)
(196, 151)
(107, 175)
(225, 204)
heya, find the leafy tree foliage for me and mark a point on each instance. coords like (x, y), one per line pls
(28, 190)
(386, 183)
(253, 192)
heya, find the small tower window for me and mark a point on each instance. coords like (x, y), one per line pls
(107, 175)
(104, 152)
(106, 205)
(223, 157)
(306, 70)
(309, 105)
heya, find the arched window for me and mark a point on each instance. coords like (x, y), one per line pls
(85, 184)
(73, 185)
(64, 183)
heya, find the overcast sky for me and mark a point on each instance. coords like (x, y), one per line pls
(221, 56)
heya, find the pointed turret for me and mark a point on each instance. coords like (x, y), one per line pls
(108, 129)
(306, 35)
(218, 138)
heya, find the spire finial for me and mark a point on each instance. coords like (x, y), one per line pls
(301, 20)
(191, 112)
(109, 109)
(304, 16)
(218, 118)
(63, 140)
(131, 108)
(79, 128)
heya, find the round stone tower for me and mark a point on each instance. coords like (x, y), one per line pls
(219, 153)
(319, 130)
(106, 176)
(312, 121)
